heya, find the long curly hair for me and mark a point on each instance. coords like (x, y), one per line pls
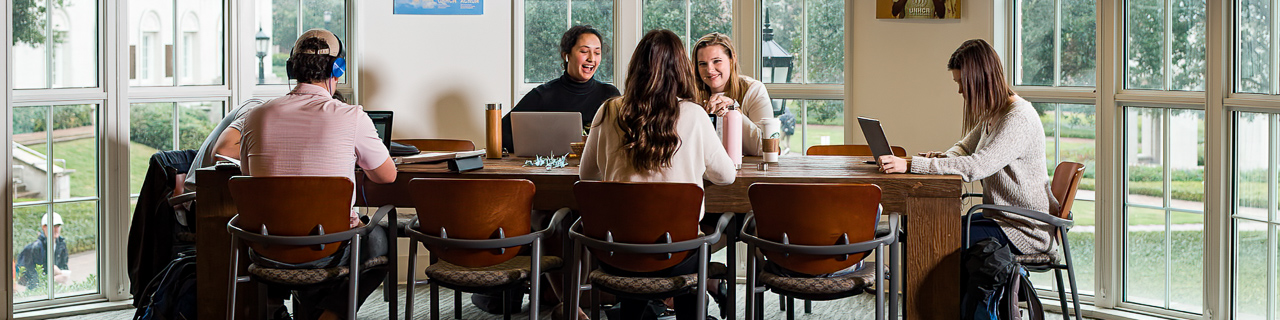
(986, 93)
(658, 77)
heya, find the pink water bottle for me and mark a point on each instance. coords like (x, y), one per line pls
(732, 139)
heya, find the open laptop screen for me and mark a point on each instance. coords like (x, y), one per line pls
(382, 123)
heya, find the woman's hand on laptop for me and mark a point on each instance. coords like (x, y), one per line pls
(933, 154)
(892, 164)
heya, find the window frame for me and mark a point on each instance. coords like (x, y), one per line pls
(350, 81)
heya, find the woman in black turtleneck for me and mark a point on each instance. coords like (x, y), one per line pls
(575, 90)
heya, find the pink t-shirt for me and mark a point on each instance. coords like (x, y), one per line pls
(307, 133)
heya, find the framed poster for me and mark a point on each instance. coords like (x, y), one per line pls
(918, 9)
(439, 7)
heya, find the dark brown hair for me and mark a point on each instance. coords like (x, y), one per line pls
(734, 87)
(570, 38)
(986, 93)
(311, 68)
(658, 77)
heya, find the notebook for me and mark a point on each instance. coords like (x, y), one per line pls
(544, 133)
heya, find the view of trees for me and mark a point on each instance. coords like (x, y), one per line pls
(29, 21)
(1036, 43)
(1148, 64)
(1253, 46)
(545, 21)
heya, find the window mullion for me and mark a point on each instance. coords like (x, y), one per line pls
(1275, 45)
(1168, 45)
(1272, 216)
(804, 44)
(1057, 43)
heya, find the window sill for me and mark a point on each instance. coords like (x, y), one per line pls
(76, 309)
(1091, 312)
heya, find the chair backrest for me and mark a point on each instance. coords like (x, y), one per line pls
(1066, 178)
(473, 209)
(439, 144)
(639, 213)
(849, 150)
(815, 214)
(293, 206)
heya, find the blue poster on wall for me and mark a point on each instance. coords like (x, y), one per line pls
(440, 7)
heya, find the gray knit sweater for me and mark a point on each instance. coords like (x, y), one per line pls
(1009, 159)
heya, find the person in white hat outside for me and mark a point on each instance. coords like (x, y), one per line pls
(34, 256)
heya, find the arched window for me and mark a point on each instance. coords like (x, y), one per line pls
(149, 55)
(188, 47)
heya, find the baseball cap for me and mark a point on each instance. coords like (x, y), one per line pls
(335, 46)
(57, 219)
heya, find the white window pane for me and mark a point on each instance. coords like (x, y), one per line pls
(55, 44)
(1253, 148)
(1251, 265)
(1186, 159)
(782, 59)
(30, 150)
(150, 130)
(30, 254)
(78, 273)
(824, 51)
(824, 122)
(278, 19)
(75, 152)
(1144, 44)
(1079, 25)
(1035, 44)
(599, 15)
(195, 121)
(151, 37)
(690, 19)
(545, 22)
(1186, 236)
(1253, 46)
(1144, 155)
(1187, 58)
(201, 31)
(1146, 256)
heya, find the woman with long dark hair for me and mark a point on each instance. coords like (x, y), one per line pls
(653, 133)
(1003, 147)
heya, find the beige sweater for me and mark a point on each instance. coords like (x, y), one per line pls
(700, 155)
(1009, 159)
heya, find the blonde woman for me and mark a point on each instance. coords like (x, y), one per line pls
(720, 86)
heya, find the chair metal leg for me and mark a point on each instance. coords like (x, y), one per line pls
(782, 303)
(355, 275)
(262, 301)
(435, 301)
(506, 307)
(895, 282)
(234, 279)
(574, 280)
(808, 306)
(1062, 294)
(791, 307)
(595, 293)
(457, 304)
(1071, 274)
(393, 253)
(750, 312)
(879, 284)
(702, 280)
(535, 279)
(411, 281)
(729, 311)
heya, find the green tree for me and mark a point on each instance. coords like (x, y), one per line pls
(29, 23)
(545, 21)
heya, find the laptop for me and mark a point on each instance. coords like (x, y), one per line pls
(874, 134)
(382, 123)
(544, 133)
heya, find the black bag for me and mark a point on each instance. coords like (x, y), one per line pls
(1020, 289)
(172, 294)
(987, 267)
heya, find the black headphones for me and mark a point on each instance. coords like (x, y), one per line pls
(339, 66)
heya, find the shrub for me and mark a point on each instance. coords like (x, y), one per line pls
(153, 127)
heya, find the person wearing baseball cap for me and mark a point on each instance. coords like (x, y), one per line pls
(32, 260)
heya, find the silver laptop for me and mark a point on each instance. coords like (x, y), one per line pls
(544, 133)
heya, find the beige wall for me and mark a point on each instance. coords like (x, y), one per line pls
(435, 72)
(899, 74)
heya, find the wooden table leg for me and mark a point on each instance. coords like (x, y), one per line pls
(213, 246)
(933, 258)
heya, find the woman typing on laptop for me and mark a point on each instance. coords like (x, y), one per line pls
(1003, 147)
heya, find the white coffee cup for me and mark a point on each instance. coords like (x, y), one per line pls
(771, 137)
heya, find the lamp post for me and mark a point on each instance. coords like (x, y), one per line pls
(263, 42)
(776, 63)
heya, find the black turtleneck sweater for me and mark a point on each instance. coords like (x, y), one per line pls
(565, 95)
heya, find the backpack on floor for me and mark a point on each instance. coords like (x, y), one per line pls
(1020, 289)
(987, 268)
(172, 294)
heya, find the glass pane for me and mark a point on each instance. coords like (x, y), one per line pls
(150, 130)
(791, 114)
(1253, 46)
(1035, 42)
(1082, 243)
(75, 152)
(325, 14)
(825, 48)
(668, 14)
(824, 122)
(1049, 118)
(1252, 150)
(781, 59)
(30, 252)
(1146, 257)
(195, 121)
(77, 255)
(30, 154)
(1144, 153)
(151, 43)
(1187, 262)
(279, 22)
(1187, 64)
(1079, 22)
(55, 44)
(709, 16)
(1077, 125)
(1186, 159)
(30, 44)
(200, 42)
(1251, 264)
(545, 22)
(598, 14)
(1144, 47)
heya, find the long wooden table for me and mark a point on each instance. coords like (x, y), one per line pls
(931, 204)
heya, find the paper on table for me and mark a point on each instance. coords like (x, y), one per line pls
(437, 156)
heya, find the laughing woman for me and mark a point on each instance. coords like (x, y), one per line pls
(574, 91)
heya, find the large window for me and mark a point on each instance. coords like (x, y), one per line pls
(1070, 135)
(1164, 208)
(1055, 43)
(1165, 44)
(176, 43)
(691, 19)
(803, 41)
(56, 201)
(283, 20)
(1256, 222)
(545, 21)
(55, 44)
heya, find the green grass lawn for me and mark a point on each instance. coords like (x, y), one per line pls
(814, 133)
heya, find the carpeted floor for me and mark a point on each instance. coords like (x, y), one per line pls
(858, 307)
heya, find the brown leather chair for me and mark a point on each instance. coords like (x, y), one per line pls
(818, 229)
(296, 220)
(849, 150)
(1066, 179)
(643, 227)
(473, 229)
(439, 144)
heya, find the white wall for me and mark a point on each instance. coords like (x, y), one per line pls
(435, 72)
(899, 74)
